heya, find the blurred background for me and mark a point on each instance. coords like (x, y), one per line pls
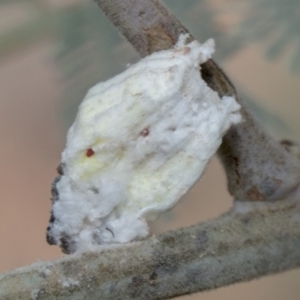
(52, 51)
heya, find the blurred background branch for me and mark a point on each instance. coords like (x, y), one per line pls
(75, 29)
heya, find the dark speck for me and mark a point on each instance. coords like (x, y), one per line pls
(201, 239)
(89, 152)
(153, 276)
(145, 132)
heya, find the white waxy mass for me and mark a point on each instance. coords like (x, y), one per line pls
(139, 142)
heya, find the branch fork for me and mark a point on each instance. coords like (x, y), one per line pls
(258, 168)
(257, 237)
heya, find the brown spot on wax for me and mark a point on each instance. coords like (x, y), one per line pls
(145, 132)
(89, 152)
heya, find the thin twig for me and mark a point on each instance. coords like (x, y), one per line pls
(246, 243)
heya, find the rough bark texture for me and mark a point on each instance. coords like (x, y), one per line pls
(252, 240)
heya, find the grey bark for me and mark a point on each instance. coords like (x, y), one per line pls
(252, 240)
(257, 167)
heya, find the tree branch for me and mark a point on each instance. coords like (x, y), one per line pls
(252, 240)
(257, 167)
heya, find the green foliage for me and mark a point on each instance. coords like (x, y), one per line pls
(89, 49)
(277, 22)
(202, 21)
(86, 36)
